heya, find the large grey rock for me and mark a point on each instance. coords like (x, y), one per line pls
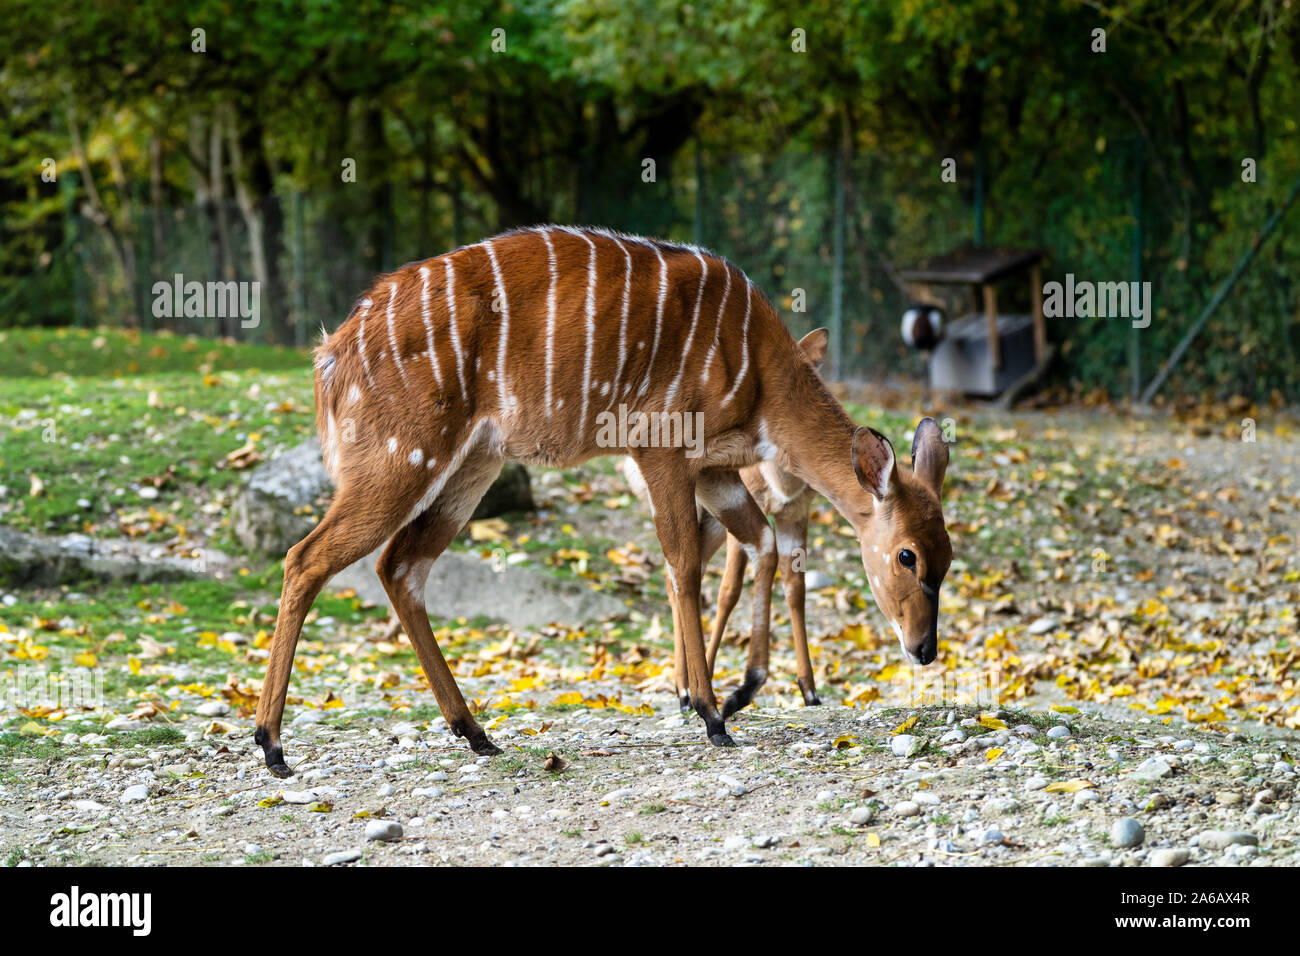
(285, 497)
(37, 561)
(465, 585)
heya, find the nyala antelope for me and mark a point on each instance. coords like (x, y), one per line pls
(508, 350)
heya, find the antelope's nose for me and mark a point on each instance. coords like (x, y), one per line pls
(926, 654)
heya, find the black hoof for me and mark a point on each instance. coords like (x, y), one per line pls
(744, 694)
(274, 754)
(810, 698)
(721, 740)
(482, 746)
(684, 701)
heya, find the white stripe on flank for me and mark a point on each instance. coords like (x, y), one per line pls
(361, 342)
(503, 399)
(744, 343)
(591, 326)
(550, 317)
(455, 336)
(392, 336)
(717, 326)
(659, 317)
(622, 328)
(690, 336)
(457, 459)
(428, 326)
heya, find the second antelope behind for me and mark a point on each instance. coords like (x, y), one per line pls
(512, 349)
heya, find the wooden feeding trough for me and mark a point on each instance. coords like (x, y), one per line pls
(985, 352)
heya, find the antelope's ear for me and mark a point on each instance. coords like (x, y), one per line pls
(873, 462)
(813, 345)
(930, 455)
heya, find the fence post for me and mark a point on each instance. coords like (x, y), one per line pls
(1134, 346)
(1261, 237)
(299, 275)
(697, 228)
(837, 267)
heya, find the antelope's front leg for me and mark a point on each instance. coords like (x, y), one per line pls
(792, 549)
(671, 490)
(726, 496)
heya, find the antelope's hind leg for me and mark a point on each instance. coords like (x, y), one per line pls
(353, 527)
(404, 571)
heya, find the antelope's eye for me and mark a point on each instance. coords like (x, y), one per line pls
(906, 558)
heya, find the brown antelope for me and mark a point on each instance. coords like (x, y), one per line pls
(527, 346)
(787, 501)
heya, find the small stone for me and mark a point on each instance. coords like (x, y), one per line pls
(299, 797)
(1085, 797)
(1158, 801)
(621, 794)
(213, 708)
(1059, 732)
(1024, 730)
(1228, 798)
(1153, 768)
(736, 788)
(908, 808)
(734, 843)
(383, 830)
(1036, 783)
(1222, 839)
(954, 736)
(1127, 832)
(604, 849)
(925, 798)
(138, 793)
(343, 856)
(1181, 745)
(88, 806)
(824, 795)
(861, 816)
(426, 792)
(387, 790)
(992, 836)
(764, 841)
(816, 580)
(1042, 625)
(904, 745)
(1168, 857)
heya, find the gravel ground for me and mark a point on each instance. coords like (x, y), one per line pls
(815, 786)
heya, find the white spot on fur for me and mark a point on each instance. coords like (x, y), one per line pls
(392, 445)
(416, 456)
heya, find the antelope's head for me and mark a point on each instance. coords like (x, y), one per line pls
(905, 547)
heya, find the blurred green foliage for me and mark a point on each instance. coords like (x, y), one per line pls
(464, 118)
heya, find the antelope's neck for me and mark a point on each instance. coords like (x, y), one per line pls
(811, 436)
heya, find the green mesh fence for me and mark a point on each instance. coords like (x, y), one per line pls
(776, 217)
